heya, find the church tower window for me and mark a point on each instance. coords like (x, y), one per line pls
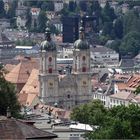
(68, 96)
(84, 69)
(50, 59)
(83, 58)
(50, 70)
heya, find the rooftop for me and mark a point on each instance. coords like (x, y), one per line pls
(21, 72)
(101, 49)
(123, 95)
(15, 129)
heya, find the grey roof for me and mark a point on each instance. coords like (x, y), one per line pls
(15, 129)
(127, 63)
(101, 49)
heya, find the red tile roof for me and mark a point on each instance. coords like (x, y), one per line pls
(132, 83)
(21, 72)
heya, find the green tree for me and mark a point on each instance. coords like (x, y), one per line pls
(47, 6)
(42, 19)
(12, 10)
(130, 43)
(8, 96)
(131, 22)
(108, 13)
(83, 5)
(107, 28)
(118, 28)
(2, 12)
(72, 6)
(120, 122)
(29, 19)
(137, 91)
(108, 16)
(95, 8)
(64, 11)
(91, 113)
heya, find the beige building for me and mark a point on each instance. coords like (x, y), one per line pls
(71, 89)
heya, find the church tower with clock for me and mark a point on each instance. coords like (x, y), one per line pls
(73, 88)
(81, 67)
(48, 76)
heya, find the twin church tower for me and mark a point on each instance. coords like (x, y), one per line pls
(71, 89)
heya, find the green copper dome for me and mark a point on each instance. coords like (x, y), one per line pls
(48, 44)
(81, 43)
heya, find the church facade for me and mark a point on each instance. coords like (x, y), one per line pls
(74, 88)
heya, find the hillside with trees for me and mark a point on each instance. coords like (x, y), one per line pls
(8, 97)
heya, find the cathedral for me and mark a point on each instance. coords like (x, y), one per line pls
(71, 89)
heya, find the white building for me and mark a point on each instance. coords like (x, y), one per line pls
(121, 98)
(107, 56)
(35, 13)
(21, 22)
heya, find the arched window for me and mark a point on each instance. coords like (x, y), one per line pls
(84, 69)
(50, 59)
(68, 96)
(83, 58)
(50, 70)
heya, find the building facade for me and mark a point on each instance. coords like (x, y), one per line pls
(107, 56)
(74, 87)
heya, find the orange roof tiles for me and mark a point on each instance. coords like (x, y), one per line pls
(30, 90)
(32, 84)
(21, 72)
(9, 67)
(26, 99)
(132, 83)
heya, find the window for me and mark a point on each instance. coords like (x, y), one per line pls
(83, 58)
(50, 59)
(68, 96)
(50, 70)
(84, 69)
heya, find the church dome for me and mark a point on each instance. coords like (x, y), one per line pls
(48, 44)
(81, 43)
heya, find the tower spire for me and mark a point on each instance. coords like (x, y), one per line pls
(48, 32)
(81, 31)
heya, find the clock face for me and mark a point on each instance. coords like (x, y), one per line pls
(50, 83)
(84, 82)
